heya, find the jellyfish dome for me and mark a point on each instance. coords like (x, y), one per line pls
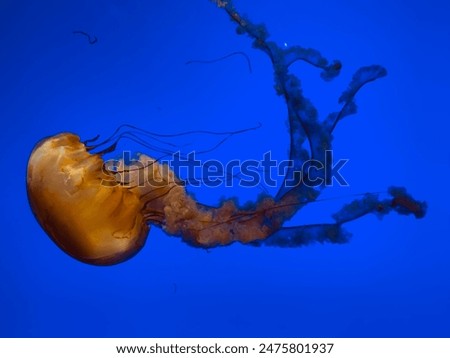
(88, 219)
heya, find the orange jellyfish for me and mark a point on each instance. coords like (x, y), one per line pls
(102, 216)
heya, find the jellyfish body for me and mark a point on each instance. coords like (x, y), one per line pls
(101, 215)
(98, 217)
(93, 223)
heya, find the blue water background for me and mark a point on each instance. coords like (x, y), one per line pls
(391, 280)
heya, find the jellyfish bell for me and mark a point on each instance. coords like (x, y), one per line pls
(89, 213)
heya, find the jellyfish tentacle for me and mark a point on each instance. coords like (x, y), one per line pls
(147, 139)
(241, 53)
(156, 136)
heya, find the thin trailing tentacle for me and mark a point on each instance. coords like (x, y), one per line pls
(236, 53)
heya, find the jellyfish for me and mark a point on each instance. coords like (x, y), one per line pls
(102, 214)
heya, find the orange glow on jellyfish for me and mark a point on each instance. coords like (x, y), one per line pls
(93, 223)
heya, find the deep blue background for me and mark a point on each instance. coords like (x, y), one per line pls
(391, 280)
